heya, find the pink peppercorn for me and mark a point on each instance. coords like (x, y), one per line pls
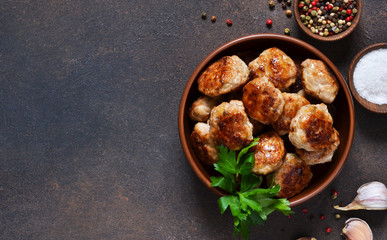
(229, 22)
(322, 217)
(305, 210)
(269, 22)
(349, 11)
(328, 230)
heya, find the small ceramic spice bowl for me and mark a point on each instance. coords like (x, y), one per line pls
(377, 108)
(298, 5)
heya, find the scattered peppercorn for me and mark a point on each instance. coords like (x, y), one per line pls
(229, 22)
(328, 230)
(204, 15)
(283, 5)
(288, 12)
(322, 217)
(305, 210)
(279, 1)
(289, 216)
(271, 4)
(337, 216)
(269, 22)
(287, 31)
(333, 194)
(213, 18)
(289, 2)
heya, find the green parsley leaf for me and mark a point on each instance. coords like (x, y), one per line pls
(249, 205)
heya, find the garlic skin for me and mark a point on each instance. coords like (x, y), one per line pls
(357, 229)
(370, 196)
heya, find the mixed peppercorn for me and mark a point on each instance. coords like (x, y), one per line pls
(327, 17)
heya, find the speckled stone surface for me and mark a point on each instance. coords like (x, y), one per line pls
(89, 97)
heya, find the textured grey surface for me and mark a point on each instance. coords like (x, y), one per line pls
(89, 145)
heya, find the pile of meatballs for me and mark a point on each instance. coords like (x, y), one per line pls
(240, 102)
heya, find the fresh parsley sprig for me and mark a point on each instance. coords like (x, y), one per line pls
(248, 204)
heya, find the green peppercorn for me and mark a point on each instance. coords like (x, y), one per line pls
(305, 22)
(313, 13)
(305, 8)
(287, 31)
(307, 18)
(302, 17)
(337, 30)
(271, 4)
(343, 12)
(354, 11)
(204, 15)
(335, 9)
(326, 33)
(307, 2)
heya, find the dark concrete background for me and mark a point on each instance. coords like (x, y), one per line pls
(89, 96)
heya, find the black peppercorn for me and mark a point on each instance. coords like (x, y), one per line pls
(283, 5)
(289, 2)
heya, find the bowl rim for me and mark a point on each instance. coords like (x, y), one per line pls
(295, 200)
(362, 101)
(335, 37)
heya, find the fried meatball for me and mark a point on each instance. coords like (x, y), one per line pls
(268, 153)
(223, 76)
(230, 125)
(318, 81)
(262, 100)
(293, 102)
(312, 128)
(293, 176)
(203, 144)
(277, 66)
(320, 156)
(200, 109)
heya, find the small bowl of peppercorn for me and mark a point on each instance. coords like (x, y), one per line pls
(327, 20)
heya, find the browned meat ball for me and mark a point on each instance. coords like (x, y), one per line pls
(293, 102)
(318, 81)
(262, 100)
(293, 176)
(203, 144)
(312, 128)
(200, 109)
(321, 156)
(277, 66)
(268, 153)
(223, 76)
(230, 125)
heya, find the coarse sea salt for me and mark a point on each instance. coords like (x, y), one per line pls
(370, 76)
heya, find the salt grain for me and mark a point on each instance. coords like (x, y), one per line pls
(370, 76)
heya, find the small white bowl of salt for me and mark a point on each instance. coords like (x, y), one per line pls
(368, 77)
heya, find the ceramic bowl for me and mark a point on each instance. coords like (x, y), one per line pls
(248, 48)
(377, 108)
(334, 37)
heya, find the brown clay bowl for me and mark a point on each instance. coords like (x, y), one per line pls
(334, 37)
(248, 48)
(365, 103)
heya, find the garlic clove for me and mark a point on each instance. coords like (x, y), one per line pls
(357, 229)
(307, 238)
(370, 196)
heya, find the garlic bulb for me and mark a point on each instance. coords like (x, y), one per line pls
(357, 229)
(370, 196)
